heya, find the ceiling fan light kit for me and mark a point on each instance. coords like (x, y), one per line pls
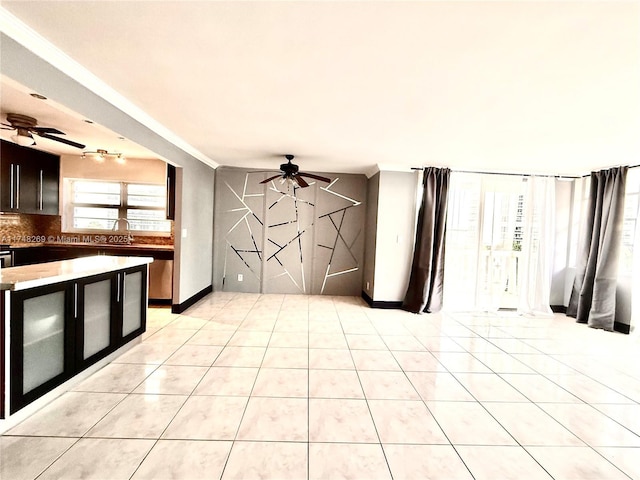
(289, 172)
(23, 137)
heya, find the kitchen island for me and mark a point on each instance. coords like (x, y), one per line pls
(61, 318)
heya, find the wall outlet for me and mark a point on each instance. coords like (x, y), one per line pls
(184, 233)
(240, 277)
(367, 285)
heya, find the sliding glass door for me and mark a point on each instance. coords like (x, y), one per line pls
(484, 242)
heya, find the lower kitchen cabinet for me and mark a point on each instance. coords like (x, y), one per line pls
(60, 329)
(41, 340)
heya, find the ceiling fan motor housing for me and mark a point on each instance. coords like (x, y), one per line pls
(21, 121)
(289, 168)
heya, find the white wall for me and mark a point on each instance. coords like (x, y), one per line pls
(371, 229)
(143, 170)
(394, 235)
(194, 237)
(193, 255)
(564, 192)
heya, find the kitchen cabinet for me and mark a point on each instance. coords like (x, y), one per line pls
(30, 180)
(171, 192)
(41, 342)
(61, 329)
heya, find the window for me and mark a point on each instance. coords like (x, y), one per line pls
(116, 206)
(630, 227)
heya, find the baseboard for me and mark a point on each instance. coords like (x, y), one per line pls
(181, 307)
(622, 327)
(378, 304)
(558, 309)
(159, 301)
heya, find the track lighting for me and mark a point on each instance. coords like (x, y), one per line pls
(100, 155)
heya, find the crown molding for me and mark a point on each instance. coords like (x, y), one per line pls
(14, 28)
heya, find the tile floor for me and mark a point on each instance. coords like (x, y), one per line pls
(247, 386)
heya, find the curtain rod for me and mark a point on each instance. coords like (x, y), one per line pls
(519, 174)
(510, 174)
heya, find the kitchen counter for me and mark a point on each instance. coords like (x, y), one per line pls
(98, 246)
(40, 274)
(61, 320)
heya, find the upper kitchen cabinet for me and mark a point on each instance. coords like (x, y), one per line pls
(171, 192)
(30, 180)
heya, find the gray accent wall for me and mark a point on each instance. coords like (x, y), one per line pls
(273, 238)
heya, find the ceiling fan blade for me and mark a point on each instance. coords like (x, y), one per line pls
(41, 130)
(315, 177)
(271, 178)
(61, 140)
(301, 181)
(5, 128)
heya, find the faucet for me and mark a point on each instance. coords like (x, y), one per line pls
(116, 224)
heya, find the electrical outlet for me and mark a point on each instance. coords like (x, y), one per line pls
(240, 277)
(367, 285)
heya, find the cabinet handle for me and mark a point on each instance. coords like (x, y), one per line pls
(11, 188)
(117, 287)
(18, 186)
(124, 290)
(75, 300)
(168, 202)
(41, 183)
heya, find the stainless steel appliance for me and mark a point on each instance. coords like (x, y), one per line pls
(5, 257)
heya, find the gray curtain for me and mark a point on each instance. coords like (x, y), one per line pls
(593, 298)
(424, 293)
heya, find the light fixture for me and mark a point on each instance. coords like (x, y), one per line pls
(290, 181)
(100, 154)
(23, 137)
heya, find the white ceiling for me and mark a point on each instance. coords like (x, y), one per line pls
(513, 86)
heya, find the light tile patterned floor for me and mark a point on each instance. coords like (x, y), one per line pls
(245, 386)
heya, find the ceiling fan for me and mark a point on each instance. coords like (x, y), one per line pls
(290, 172)
(26, 127)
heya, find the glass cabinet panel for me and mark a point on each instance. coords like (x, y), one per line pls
(43, 339)
(97, 317)
(132, 307)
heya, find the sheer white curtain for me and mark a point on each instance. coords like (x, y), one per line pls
(536, 261)
(499, 244)
(461, 242)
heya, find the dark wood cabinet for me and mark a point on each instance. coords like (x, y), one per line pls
(171, 192)
(30, 180)
(61, 329)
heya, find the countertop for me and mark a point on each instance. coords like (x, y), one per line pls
(123, 246)
(40, 274)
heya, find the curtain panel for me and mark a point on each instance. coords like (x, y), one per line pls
(424, 293)
(593, 297)
(537, 247)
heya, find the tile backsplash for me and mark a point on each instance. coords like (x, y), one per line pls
(22, 228)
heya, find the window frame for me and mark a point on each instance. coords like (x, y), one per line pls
(123, 207)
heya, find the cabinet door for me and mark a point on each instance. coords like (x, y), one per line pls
(48, 178)
(27, 187)
(96, 318)
(7, 192)
(30, 180)
(41, 342)
(134, 302)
